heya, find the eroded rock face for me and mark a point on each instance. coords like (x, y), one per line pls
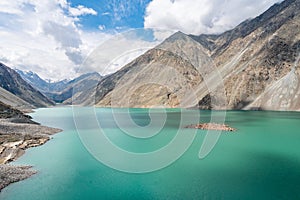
(282, 95)
(158, 78)
(259, 59)
(255, 66)
(12, 82)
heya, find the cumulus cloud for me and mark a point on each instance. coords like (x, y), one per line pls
(68, 38)
(122, 48)
(46, 37)
(202, 16)
(81, 10)
(43, 36)
(10, 7)
(66, 35)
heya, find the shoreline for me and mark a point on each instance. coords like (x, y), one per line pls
(17, 135)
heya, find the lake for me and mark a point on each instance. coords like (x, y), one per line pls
(261, 160)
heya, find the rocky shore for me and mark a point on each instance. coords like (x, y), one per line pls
(15, 138)
(11, 174)
(211, 126)
(18, 133)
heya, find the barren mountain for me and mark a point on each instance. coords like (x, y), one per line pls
(11, 81)
(12, 100)
(258, 56)
(80, 88)
(253, 66)
(40, 84)
(66, 92)
(157, 78)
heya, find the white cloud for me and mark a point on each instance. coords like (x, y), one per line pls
(161, 35)
(105, 13)
(43, 37)
(81, 10)
(10, 7)
(202, 16)
(119, 50)
(101, 27)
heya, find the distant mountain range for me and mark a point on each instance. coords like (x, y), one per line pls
(26, 90)
(42, 85)
(66, 92)
(11, 84)
(253, 66)
(258, 62)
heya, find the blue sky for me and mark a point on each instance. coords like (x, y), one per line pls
(54, 37)
(113, 15)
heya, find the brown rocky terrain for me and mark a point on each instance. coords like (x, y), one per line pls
(258, 59)
(12, 82)
(253, 66)
(151, 75)
(79, 88)
(18, 133)
(11, 174)
(212, 126)
(10, 99)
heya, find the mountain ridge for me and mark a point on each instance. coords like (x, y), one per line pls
(12, 82)
(250, 59)
(41, 84)
(244, 28)
(268, 57)
(63, 91)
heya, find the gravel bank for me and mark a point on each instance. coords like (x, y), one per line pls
(15, 138)
(11, 174)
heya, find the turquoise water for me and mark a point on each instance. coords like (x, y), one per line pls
(259, 161)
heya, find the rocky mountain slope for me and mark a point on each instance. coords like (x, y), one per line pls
(253, 66)
(12, 100)
(80, 88)
(256, 56)
(66, 92)
(149, 80)
(12, 82)
(40, 84)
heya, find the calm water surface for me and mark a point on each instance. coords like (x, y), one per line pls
(259, 161)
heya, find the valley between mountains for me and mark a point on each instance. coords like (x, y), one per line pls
(254, 66)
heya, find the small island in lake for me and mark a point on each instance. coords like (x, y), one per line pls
(211, 126)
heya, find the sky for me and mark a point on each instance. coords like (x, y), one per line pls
(57, 38)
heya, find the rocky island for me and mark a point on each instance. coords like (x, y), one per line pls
(212, 126)
(18, 133)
